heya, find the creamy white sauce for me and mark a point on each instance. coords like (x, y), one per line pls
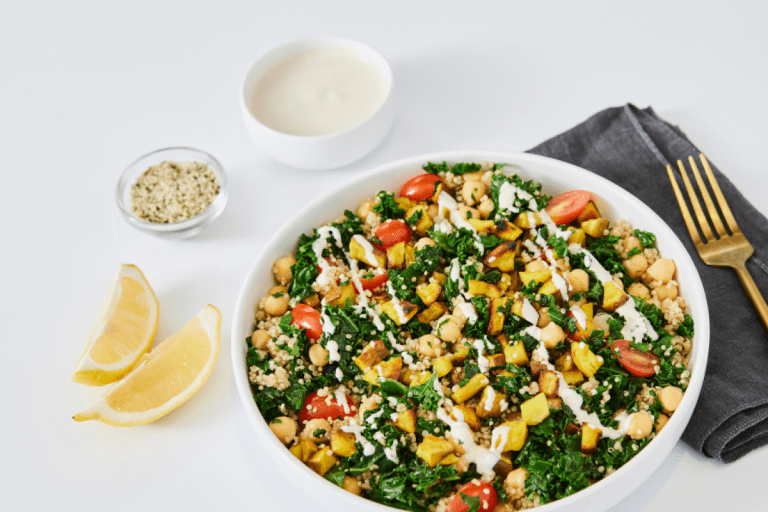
(333, 351)
(341, 398)
(353, 427)
(370, 257)
(636, 326)
(401, 316)
(469, 311)
(579, 315)
(529, 312)
(318, 92)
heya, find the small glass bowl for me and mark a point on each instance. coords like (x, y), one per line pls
(183, 229)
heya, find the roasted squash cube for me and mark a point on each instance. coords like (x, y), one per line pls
(322, 461)
(460, 355)
(516, 436)
(595, 227)
(572, 377)
(338, 296)
(523, 220)
(548, 288)
(449, 459)
(396, 255)
(372, 354)
(433, 449)
(584, 359)
(389, 369)
(515, 354)
(482, 288)
(589, 438)
(555, 402)
(535, 410)
(433, 312)
(312, 301)
(481, 226)
(410, 255)
(304, 449)
(549, 383)
(502, 257)
(428, 293)
(467, 415)
(590, 212)
(491, 403)
(496, 360)
(362, 250)
(470, 389)
(496, 323)
(507, 230)
(406, 421)
(443, 365)
(613, 296)
(539, 276)
(343, 443)
(578, 236)
(400, 312)
(425, 221)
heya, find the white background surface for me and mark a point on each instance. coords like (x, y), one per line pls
(87, 87)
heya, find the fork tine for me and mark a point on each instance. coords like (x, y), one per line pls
(684, 209)
(729, 218)
(703, 222)
(713, 215)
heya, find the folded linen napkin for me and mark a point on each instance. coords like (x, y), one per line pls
(632, 148)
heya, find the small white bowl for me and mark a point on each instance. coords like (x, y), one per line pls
(556, 177)
(318, 152)
(184, 229)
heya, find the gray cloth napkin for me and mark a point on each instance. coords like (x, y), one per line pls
(632, 148)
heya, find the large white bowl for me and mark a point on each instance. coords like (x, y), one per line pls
(613, 201)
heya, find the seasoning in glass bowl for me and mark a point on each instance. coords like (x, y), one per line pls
(171, 192)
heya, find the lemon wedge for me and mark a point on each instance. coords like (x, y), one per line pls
(166, 377)
(124, 329)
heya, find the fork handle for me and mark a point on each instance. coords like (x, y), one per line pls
(754, 293)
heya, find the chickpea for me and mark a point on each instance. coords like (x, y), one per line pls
(282, 269)
(639, 290)
(636, 265)
(485, 208)
(670, 397)
(661, 422)
(467, 212)
(666, 291)
(430, 345)
(423, 242)
(662, 270)
(579, 280)
(516, 478)
(276, 304)
(259, 339)
(640, 426)
(432, 211)
(535, 266)
(600, 321)
(449, 329)
(544, 319)
(619, 284)
(317, 430)
(486, 178)
(632, 243)
(284, 428)
(473, 191)
(552, 335)
(365, 208)
(318, 356)
(350, 484)
(459, 317)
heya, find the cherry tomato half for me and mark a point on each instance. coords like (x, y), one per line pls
(391, 232)
(323, 407)
(567, 206)
(420, 187)
(308, 318)
(374, 282)
(476, 488)
(636, 362)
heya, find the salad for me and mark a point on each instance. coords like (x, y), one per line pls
(469, 343)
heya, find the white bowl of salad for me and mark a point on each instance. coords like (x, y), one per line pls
(472, 331)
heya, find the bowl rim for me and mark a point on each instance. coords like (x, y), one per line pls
(294, 46)
(642, 464)
(209, 213)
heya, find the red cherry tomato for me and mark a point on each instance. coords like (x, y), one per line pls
(374, 282)
(323, 407)
(420, 187)
(306, 317)
(391, 232)
(567, 206)
(637, 362)
(475, 488)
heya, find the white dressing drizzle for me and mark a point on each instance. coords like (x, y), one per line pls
(370, 258)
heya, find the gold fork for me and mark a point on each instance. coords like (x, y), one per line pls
(724, 249)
